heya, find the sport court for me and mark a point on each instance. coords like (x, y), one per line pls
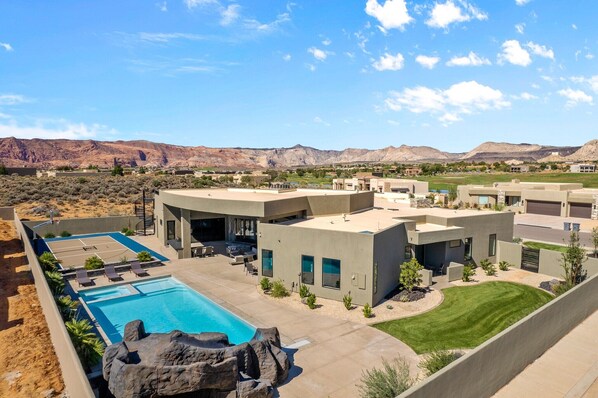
(74, 252)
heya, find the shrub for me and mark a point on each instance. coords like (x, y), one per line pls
(48, 262)
(436, 360)
(468, 273)
(65, 234)
(504, 266)
(265, 284)
(311, 301)
(303, 291)
(367, 310)
(88, 346)
(278, 289)
(348, 301)
(485, 263)
(388, 382)
(93, 262)
(561, 288)
(55, 282)
(67, 307)
(410, 276)
(490, 270)
(49, 235)
(144, 256)
(388, 306)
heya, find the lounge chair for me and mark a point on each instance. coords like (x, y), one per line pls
(237, 260)
(197, 252)
(250, 268)
(82, 277)
(111, 273)
(137, 270)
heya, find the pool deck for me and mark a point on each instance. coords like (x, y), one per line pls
(331, 353)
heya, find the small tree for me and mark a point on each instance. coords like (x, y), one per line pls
(388, 382)
(452, 193)
(3, 170)
(118, 170)
(410, 276)
(572, 261)
(595, 240)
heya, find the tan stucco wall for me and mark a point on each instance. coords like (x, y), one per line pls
(77, 226)
(509, 252)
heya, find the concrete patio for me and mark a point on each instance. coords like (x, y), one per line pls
(329, 354)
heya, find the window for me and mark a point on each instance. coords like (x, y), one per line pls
(307, 270)
(492, 245)
(267, 263)
(408, 252)
(483, 200)
(170, 235)
(468, 249)
(455, 243)
(245, 230)
(331, 273)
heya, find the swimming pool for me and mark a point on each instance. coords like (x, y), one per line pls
(163, 305)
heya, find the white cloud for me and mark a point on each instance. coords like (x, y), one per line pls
(575, 97)
(513, 53)
(230, 14)
(591, 82)
(54, 129)
(459, 99)
(319, 120)
(589, 56)
(163, 6)
(539, 50)
(525, 96)
(520, 28)
(392, 14)
(286, 57)
(389, 62)
(444, 14)
(318, 54)
(470, 60)
(311, 67)
(574, 26)
(522, 2)
(6, 46)
(254, 24)
(326, 42)
(13, 99)
(393, 122)
(426, 61)
(196, 3)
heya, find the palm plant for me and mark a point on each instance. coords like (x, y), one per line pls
(89, 348)
(67, 306)
(55, 282)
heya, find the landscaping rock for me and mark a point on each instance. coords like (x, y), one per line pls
(254, 389)
(550, 285)
(405, 296)
(134, 331)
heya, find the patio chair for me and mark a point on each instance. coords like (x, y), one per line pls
(111, 274)
(197, 252)
(250, 268)
(137, 270)
(237, 260)
(82, 277)
(208, 251)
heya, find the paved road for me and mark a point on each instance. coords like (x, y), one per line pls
(545, 234)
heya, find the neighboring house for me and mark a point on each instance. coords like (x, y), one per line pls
(333, 241)
(554, 199)
(21, 171)
(582, 168)
(380, 185)
(255, 179)
(78, 173)
(519, 168)
(412, 171)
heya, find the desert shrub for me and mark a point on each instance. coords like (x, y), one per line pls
(562, 287)
(490, 270)
(410, 276)
(49, 235)
(144, 256)
(265, 284)
(55, 282)
(48, 262)
(367, 310)
(303, 291)
(67, 307)
(388, 382)
(348, 301)
(129, 232)
(504, 266)
(65, 234)
(436, 360)
(278, 289)
(311, 301)
(468, 273)
(93, 262)
(485, 263)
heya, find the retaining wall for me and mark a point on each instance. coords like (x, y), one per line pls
(486, 369)
(78, 226)
(7, 213)
(73, 374)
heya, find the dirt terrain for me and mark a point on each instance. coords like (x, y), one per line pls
(28, 364)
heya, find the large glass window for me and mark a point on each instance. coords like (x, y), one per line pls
(492, 245)
(468, 245)
(245, 230)
(307, 270)
(170, 234)
(267, 263)
(331, 273)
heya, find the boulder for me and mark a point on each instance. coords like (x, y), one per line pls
(134, 331)
(254, 389)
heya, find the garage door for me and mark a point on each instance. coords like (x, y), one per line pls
(580, 210)
(546, 208)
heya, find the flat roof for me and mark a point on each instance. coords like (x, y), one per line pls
(405, 211)
(254, 195)
(369, 222)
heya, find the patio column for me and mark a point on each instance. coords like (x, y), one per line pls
(186, 232)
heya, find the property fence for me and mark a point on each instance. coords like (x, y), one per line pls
(78, 226)
(489, 367)
(75, 379)
(7, 213)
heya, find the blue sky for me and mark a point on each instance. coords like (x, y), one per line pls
(330, 74)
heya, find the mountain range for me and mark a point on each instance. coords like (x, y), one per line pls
(45, 153)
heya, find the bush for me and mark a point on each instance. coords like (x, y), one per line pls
(436, 360)
(485, 263)
(94, 262)
(561, 288)
(55, 282)
(490, 270)
(88, 346)
(48, 262)
(303, 291)
(504, 266)
(49, 235)
(388, 382)
(468, 273)
(279, 290)
(311, 301)
(144, 256)
(348, 301)
(127, 231)
(67, 307)
(410, 276)
(265, 284)
(367, 310)
(65, 234)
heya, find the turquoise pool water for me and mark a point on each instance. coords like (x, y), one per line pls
(163, 305)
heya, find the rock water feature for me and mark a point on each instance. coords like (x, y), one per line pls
(194, 365)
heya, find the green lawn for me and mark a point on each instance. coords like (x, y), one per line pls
(468, 316)
(547, 246)
(444, 181)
